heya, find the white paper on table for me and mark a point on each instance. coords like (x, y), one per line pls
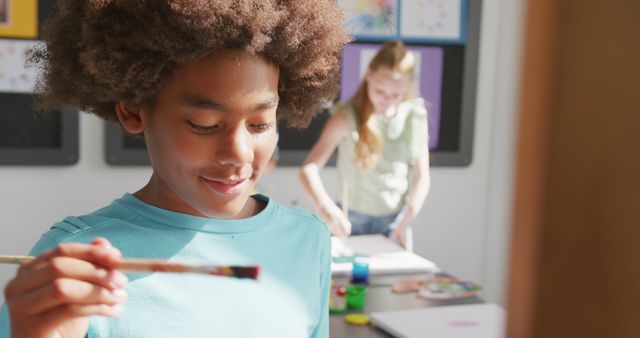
(383, 256)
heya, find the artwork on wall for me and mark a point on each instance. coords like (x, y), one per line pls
(19, 19)
(15, 76)
(28, 137)
(4, 13)
(428, 79)
(371, 18)
(417, 21)
(440, 20)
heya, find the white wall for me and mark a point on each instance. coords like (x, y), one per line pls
(463, 227)
(503, 137)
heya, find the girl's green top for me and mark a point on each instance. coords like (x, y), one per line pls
(382, 189)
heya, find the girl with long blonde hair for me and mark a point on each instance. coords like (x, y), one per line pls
(383, 156)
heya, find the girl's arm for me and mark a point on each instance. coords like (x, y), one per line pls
(336, 128)
(418, 191)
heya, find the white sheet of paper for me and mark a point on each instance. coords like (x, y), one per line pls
(383, 255)
(14, 76)
(455, 321)
(439, 19)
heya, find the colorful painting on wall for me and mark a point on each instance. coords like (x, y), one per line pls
(19, 19)
(415, 21)
(371, 18)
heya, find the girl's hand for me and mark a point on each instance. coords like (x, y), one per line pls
(55, 294)
(338, 223)
(399, 235)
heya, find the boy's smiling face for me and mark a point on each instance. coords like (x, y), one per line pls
(210, 133)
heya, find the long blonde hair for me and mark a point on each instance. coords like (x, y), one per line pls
(396, 57)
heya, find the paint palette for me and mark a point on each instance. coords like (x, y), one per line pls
(449, 288)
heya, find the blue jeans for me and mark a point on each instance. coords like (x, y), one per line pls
(363, 224)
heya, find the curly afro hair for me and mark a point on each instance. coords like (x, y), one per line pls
(99, 52)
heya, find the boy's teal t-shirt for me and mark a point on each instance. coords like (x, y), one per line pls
(290, 298)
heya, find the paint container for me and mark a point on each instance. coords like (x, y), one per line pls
(360, 272)
(338, 301)
(356, 296)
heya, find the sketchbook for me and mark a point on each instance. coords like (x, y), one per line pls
(456, 321)
(383, 256)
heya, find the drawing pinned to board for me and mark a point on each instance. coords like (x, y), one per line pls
(371, 18)
(4, 12)
(27, 137)
(431, 19)
(417, 21)
(15, 77)
(429, 70)
(19, 19)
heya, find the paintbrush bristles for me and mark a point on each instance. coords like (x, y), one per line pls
(246, 271)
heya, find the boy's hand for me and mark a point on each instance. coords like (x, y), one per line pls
(55, 294)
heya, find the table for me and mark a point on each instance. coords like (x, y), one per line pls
(380, 298)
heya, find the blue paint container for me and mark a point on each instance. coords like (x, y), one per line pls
(360, 272)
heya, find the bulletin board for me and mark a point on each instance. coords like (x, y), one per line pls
(122, 149)
(28, 137)
(444, 35)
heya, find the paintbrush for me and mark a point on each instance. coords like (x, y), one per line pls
(157, 265)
